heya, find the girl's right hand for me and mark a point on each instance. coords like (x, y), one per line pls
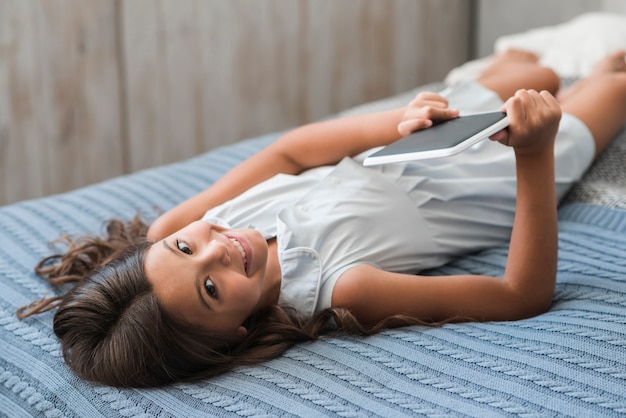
(533, 122)
(426, 108)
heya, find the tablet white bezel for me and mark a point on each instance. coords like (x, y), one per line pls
(374, 159)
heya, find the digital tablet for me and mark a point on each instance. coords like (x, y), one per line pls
(441, 140)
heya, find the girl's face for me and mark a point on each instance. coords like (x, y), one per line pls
(209, 276)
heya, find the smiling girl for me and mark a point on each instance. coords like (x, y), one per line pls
(301, 236)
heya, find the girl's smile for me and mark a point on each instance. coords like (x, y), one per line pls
(244, 249)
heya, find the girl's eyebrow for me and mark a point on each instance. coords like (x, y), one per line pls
(166, 245)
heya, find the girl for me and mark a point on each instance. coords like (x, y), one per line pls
(298, 237)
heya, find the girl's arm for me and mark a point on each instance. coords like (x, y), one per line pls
(309, 146)
(527, 287)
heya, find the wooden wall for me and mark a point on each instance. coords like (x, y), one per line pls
(94, 89)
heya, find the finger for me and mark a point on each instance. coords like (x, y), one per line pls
(515, 110)
(433, 113)
(427, 100)
(430, 96)
(501, 136)
(526, 99)
(418, 104)
(409, 126)
(550, 100)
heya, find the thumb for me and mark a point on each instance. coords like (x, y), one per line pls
(501, 136)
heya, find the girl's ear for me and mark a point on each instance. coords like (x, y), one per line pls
(242, 331)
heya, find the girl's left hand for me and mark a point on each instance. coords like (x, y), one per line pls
(426, 108)
(533, 122)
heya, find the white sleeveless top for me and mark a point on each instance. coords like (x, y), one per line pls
(320, 236)
(399, 217)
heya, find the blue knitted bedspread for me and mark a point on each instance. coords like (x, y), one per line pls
(570, 361)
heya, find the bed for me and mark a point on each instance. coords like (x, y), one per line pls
(570, 361)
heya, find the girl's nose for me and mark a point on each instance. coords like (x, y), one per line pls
(216, 252)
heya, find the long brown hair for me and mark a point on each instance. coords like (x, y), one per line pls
(113, 330)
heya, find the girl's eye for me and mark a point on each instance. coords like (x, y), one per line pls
(210, 288)
(183, 247)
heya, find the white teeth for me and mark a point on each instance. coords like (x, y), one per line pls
(241, 251)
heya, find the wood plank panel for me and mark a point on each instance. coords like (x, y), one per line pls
(21, 167)
(91, 90)
(365, 50)
(206, 73)
(59, 96)
(198, 73)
